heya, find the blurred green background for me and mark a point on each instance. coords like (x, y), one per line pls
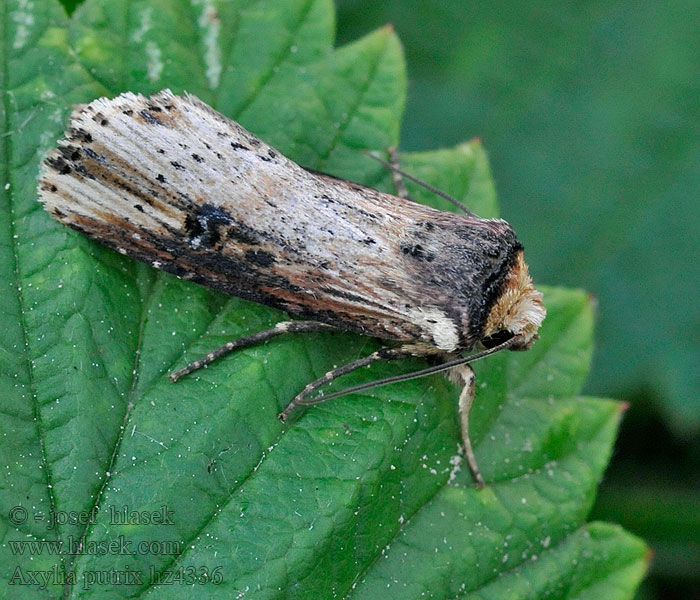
(590, 113)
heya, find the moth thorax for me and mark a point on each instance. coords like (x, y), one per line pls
(518, 309)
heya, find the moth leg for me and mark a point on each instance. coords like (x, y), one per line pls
(397, 177)
(249, 340)
(466, 399)
(302, 398)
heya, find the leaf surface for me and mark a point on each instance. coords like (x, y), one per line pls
(155, 487)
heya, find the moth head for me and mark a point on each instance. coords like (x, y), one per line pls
(518, 311)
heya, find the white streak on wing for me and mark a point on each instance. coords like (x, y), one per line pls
(432, 321)
(96, 201)
(209, 21)
(92, 198)
(440, 326)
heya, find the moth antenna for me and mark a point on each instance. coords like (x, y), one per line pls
(421, 373)
(420, 182)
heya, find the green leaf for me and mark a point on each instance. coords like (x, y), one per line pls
(464, 170)
(595, 561)
(150, 483)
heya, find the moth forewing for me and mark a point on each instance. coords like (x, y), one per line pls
(171, 182)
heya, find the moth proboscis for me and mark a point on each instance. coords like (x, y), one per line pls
(171, 182)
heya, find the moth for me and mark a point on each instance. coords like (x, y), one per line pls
(169, 181)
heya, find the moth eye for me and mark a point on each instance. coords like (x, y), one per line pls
(496, 339)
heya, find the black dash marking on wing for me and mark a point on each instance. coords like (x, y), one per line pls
(260, 258)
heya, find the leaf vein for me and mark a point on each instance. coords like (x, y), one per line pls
(281, 58)
(13, 236)
(345, 123)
